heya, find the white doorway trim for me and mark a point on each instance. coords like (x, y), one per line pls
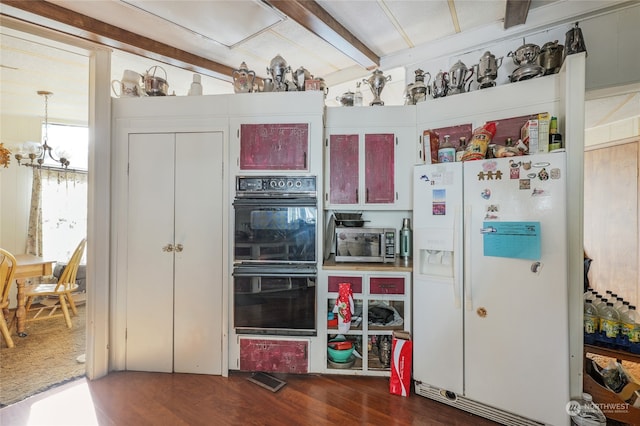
(98, 209)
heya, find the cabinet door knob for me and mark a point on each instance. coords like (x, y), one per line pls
(179, 248)
(168, 248)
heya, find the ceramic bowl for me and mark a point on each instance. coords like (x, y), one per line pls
(337, 355)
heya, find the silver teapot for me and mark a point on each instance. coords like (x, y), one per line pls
(346, 99)
(419, 90)
(300, 76)
(440, 85)
(278, 68)
(459, 76)
(487, 70)
(376, 83)
(550, 57)
(243, 79)
(525, 54)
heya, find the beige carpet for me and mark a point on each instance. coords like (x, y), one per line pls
(42, 360)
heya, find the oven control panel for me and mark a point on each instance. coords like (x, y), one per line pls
(254, 185)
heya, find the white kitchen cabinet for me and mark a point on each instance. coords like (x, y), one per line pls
(174, 280)
(387, 287)
(369, 154)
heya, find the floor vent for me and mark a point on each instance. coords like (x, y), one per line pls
(267, 381)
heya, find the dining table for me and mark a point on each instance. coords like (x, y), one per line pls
(28, 266)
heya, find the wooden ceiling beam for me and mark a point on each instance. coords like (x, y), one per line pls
(87, 28)
(314, 18)
(516, 13)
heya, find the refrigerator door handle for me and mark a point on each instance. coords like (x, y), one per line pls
(488, 230)
(456, 256)
(468, 301)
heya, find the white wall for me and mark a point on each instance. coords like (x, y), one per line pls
(626, 126)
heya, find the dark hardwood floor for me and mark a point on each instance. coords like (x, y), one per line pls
(138, 398)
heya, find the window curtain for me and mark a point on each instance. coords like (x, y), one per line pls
(58, 213)
(34, 233)
(64, 212)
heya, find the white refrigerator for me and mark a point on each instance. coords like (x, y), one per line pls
(490, 287)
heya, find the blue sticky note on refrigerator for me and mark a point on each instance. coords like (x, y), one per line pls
(517, 240)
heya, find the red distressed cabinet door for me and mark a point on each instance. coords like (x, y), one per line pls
(379, 169)
(274, 146)
(343, 169)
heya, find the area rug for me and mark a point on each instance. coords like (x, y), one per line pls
(44, 359)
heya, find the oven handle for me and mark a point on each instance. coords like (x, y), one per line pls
(276, 202)
(278, 273)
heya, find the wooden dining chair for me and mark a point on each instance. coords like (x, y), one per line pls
(7, 269)
(61, 292)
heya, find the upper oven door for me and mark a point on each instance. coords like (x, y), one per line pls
(275, 230)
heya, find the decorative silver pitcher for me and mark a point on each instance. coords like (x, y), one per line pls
(376, 83)
(419, 90)
(440, 85)
(574, 41)
(550, 57)
(278, 69)
(487, 70)
(300, 76)
(243, 79)
(266, 85)
(459, 76)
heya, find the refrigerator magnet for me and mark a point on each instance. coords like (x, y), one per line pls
(555, 173)
(490, 175)
(492, 210)
(439, 202)
(543, 174)
(541, 164)
(514, 172)
(525, 184)
(486, 193)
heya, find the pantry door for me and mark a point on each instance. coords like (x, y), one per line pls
(150, 263)
(198, 266)
(174, 253)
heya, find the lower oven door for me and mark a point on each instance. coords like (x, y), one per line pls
(275, 300)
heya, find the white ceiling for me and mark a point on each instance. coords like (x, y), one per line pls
(232, 32)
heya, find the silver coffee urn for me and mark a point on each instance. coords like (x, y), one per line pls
(405, 239)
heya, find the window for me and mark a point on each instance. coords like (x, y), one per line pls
(64, 193)
(71, 140)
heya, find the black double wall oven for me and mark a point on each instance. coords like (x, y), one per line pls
(275, 255)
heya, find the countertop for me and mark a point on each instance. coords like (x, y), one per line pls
(398, 266)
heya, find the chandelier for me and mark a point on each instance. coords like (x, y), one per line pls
(37, 153)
